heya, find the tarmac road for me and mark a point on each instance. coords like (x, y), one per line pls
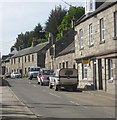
(44, 103)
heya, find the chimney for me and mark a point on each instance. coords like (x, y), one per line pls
(34, 42)
(73, 22)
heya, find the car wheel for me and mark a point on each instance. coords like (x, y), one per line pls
(74, 87)
(41, 83)
(56, 88)
(50, 86)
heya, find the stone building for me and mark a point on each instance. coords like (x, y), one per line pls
(61, 53)
(28, 57)
(95, 48)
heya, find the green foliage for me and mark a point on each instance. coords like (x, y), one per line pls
(75, 12)
(54, 20)
(25, 40)
(58, 22)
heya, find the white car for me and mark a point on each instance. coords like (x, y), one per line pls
(65, 77)
(16, 75)
(33, 72)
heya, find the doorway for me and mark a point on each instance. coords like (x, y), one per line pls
(100, 74)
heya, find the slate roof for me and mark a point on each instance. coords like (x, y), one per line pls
(69, 49)
(64, 42)
(30, 50)
(104, 6)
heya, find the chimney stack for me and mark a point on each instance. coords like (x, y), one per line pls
(34, 42)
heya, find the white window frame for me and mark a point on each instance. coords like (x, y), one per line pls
(84, 71)
(81, 38)
(110, 69)
(102, 30)
(91, 42)
(115, 23)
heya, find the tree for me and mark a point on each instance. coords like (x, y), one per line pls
(38, 32)
(73, 11)
(25, 40)
(54, 20)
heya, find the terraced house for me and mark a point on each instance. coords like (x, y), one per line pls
(28, 57)
(61, 53)
(96, 46)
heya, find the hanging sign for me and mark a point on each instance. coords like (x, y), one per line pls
(85, 61)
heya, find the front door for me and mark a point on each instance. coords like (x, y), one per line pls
(94, 75)
(100, 74)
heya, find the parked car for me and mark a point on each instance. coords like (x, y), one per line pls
(33, 72)
(16, 75)
(43, 76)
(7, 74)
(65, 77)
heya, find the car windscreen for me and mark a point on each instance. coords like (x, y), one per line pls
(16, 73)
(34, 69)
(47, 72)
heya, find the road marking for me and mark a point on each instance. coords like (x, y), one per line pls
(77, 104)
(54, 95)
(74, 103)
(34, 85)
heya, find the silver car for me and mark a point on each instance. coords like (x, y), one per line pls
(65, 77)
(16, 75)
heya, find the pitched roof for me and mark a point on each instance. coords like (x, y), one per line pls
(69, 49)
(104, 6)
(65, 41)
(30, 50)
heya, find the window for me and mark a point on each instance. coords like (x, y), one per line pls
(90, 35)
(66, 64)
(63, 65)
(115, 23)
(32, 58)
(25, 59)
(110, 69)
(91, 5)
(11, 61)
(14, 60)
(25, 70)
(81, 38)
(28, 58)
(101, 30)
(19, 60)
(84, 71)
(59, 65)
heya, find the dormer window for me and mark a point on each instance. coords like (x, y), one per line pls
(91, 5)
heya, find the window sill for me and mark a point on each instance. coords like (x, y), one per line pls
(91, 45)
(110, 81)
(84, 78)
(102, 42)
(115, 38)
(82, 48)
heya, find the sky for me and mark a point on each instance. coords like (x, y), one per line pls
(18, 16)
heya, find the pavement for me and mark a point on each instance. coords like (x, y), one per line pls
(11, 108)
